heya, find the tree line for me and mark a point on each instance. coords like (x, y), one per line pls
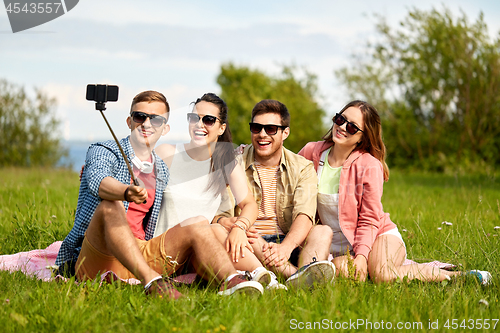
(435, 80)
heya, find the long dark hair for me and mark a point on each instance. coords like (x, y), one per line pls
(371, 141)
(223, 158)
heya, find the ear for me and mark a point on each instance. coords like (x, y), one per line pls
(166, 129)
(286, 133)
(129, 122)
(222, 129)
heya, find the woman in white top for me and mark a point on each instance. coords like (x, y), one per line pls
(200, 171)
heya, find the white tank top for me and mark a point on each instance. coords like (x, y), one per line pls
(187, 194)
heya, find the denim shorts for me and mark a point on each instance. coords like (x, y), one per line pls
(294, 256)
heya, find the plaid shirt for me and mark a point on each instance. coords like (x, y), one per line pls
(105, 160)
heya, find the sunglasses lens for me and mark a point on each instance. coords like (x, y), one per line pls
(351, 129)
(339, 119)
(209, 120)
(157, 121)
(139, 117)
(255, 128)
(193, 118)
(271, 129)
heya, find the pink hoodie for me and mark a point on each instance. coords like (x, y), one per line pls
(361, 216)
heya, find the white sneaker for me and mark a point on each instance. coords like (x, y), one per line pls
(274, 284)
(484, 277)
(316, 272)
(239, 284)
(261, 275)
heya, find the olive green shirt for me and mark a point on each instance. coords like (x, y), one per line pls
(296, 192)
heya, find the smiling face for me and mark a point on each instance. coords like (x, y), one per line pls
(267, 147)
(341, 137)
(200, 133)
(145, 133)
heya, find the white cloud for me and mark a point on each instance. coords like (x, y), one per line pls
(177, 47)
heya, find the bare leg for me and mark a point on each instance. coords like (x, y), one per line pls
(198, 238)
(317, 244)
(342, 265)
(249, 262)
(110, 234)
(385, 263)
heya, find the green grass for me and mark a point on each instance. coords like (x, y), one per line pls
(37, 207)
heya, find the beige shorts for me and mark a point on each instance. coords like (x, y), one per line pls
(91, 262)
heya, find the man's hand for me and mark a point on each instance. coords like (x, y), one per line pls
(136, 194)
(226, 222)
(361, 266)
(252, 235)
(276, 254)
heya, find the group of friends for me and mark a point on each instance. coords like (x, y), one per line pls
(249, 218)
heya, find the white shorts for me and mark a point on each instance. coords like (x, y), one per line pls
(394, 232)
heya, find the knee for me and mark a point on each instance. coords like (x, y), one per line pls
(110, 208)
(194, 222)
(197, 228)
(382, 274)
(322, 232)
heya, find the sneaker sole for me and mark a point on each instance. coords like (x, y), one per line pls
(249, 288)
(319, 273)
(263, 277)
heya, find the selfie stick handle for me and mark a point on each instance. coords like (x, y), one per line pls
(136, 182)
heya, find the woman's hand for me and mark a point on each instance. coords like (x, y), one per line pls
(361, 266)
(236, 242)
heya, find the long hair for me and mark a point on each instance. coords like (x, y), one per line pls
(371, 141)
(223, 158)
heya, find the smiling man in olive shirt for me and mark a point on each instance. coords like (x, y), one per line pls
(284, 184)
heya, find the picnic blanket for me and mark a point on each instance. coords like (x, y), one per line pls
(40, 263)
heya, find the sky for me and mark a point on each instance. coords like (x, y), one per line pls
(177, 48)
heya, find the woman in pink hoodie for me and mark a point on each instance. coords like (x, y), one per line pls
(351, 171)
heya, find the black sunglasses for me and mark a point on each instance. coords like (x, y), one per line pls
(255, 128)
(351, 128)
(207, 120)
(140, 118)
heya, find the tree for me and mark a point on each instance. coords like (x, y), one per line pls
(436, 82)
(28, 128)
(242, 88)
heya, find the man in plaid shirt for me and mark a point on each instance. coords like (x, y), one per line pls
(115, 220)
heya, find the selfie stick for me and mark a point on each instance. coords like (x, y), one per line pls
(101, 107)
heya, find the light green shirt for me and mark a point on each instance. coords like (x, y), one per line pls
(329, 178)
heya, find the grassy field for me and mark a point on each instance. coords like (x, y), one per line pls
(37, 208)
